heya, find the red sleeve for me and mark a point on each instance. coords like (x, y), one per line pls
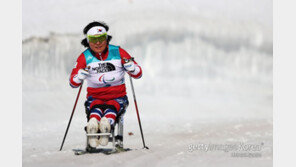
(80, 64)
(125, 55)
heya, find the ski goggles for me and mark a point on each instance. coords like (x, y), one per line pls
(97, 38)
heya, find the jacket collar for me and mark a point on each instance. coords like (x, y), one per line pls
(103, 56)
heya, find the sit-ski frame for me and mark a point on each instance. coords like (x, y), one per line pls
(117, 141)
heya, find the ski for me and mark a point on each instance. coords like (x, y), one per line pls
(79, 151)
(101, 150)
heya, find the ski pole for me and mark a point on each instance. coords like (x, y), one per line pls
(88, 67)
(139, 120)
(71, 116)
(135, 100)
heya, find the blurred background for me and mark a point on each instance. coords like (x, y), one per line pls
(207, 77)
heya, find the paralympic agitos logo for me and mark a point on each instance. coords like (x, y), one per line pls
(104, 67)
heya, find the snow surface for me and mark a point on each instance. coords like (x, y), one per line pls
(207, 78)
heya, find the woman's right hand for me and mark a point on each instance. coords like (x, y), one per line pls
(82, 74)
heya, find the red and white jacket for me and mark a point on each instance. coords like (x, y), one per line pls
(106, 80)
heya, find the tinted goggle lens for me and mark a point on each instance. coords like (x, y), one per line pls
(97, 38)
